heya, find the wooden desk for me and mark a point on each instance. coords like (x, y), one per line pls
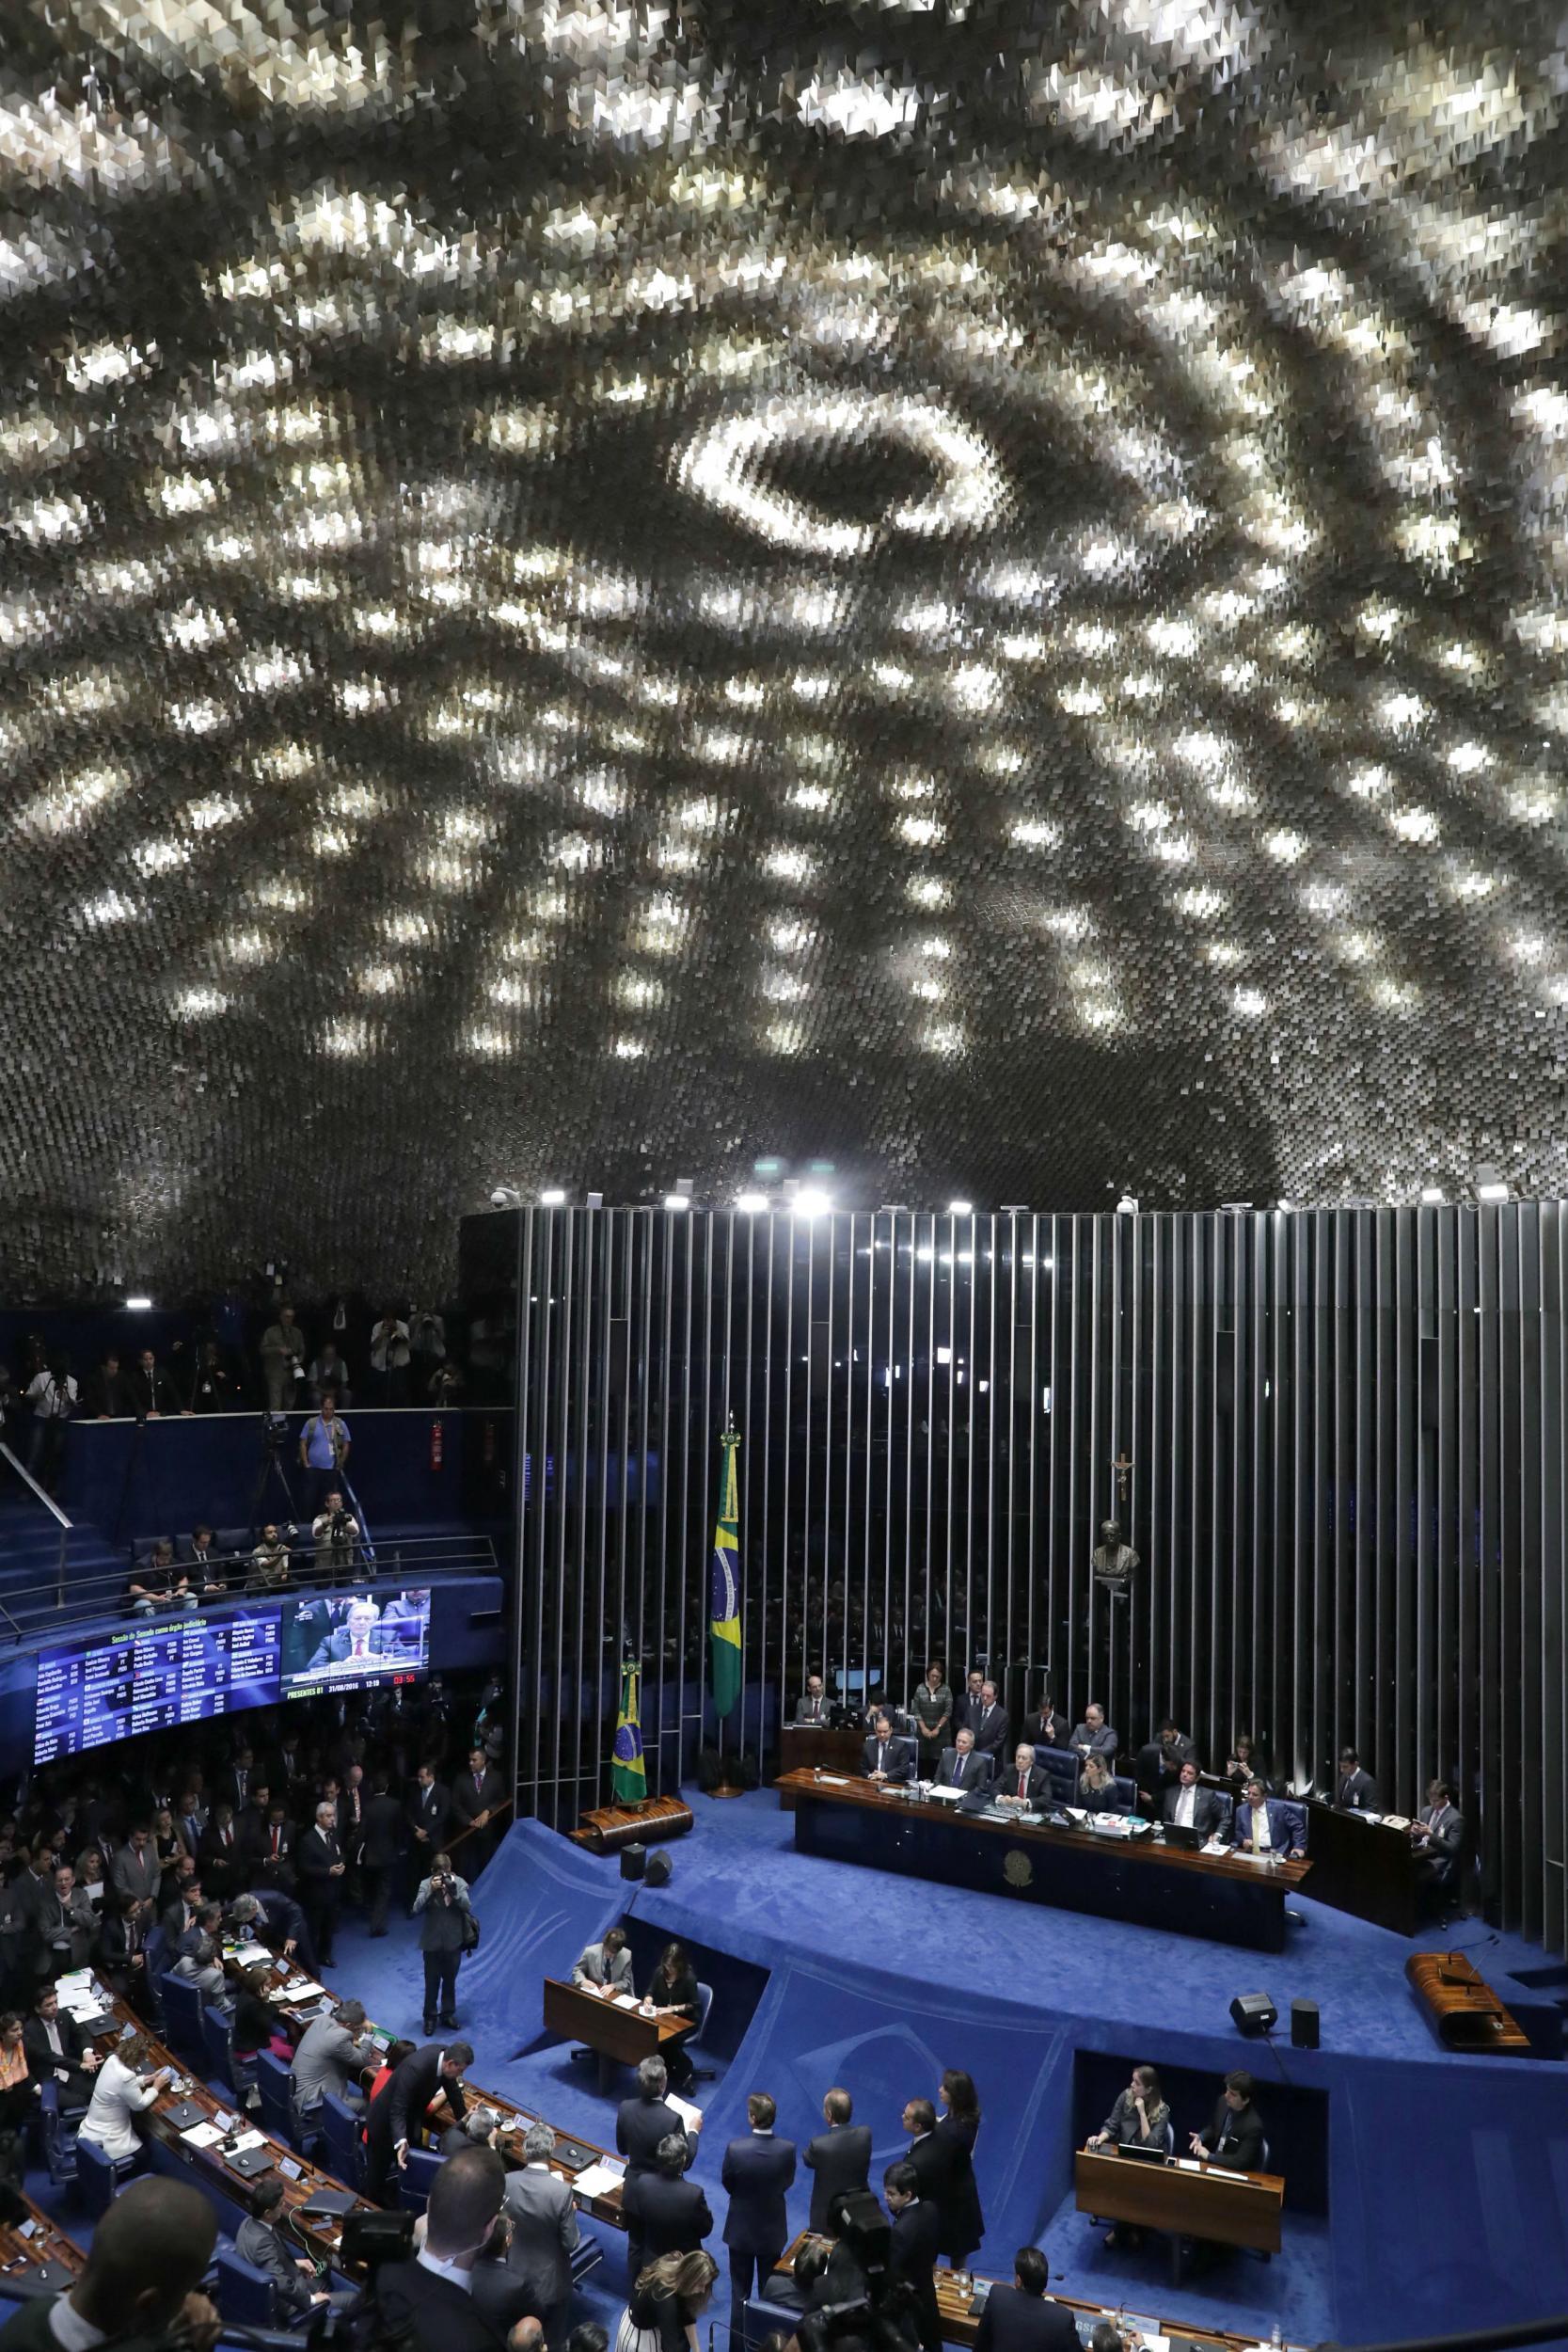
(812, 1747)
(517, 2119)
(622, 2037)
(1137, 1878)
(1466, 2012)
(1205, 2202)
(1363, 1867)
(320, 2235)
(960, 2308)
(613, 1826)
(41, 2263)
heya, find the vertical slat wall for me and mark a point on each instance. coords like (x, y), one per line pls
(1348, 1463)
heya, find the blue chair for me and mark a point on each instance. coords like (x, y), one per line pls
(98, 2176)
(181, 2003)
(217, 2034)
(589, 2254)
(1228, 1814)
(415, 2183)
(59, 2143)
(1126, 1794)
(1296, 1815)
(245, 2296)
(1060, 1767)
(344, 2142)
(693, 2044)
(278, 2099)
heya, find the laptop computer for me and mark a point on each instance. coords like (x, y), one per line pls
(184, 2113)
(1178, 1833)
(1143, 2155)
(572, 2157)
(250, 2161)
(328, 2201)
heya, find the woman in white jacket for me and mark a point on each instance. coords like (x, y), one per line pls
(119, 2096)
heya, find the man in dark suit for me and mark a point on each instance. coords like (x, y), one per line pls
(1192, 1808)
(811, 1705)
(1437, 1836)
(888, 1760)
(1022, 1786)
(642, 2122)
(756, 2173)
(968, 1701)
(1094, 1734)
(839, 2159)
(477, 1796)
(321, 1874)
(990, 1725)
(929, 2152)
(218, 1853)
(1159, 1763)
(250, 1823)
(666, 2214)
(260, 2242)
(382, 1830)
(236, 1784)
(1023, 2318)
(431, 2296)
(961, 1765)
(429, 1811)
(542, 2217)
(914, 2247)
(1235, 2137)
(57, 2051)
(1354, 1791)
(277, 1863)
(395, 2112)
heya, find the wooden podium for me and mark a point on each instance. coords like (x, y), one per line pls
(616, 1825)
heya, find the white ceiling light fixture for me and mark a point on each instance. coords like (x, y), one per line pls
(752, 1203)
(1490, 1186)
(808, 1201)
(961, 1208)
(552, 1197)
(140, 1306)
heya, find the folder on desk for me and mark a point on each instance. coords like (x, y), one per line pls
(329, 2203)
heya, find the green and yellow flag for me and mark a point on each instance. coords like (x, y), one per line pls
(628, 1778)
(723, 1625)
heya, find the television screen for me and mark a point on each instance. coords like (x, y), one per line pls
(342, 1641)
(156, 1674)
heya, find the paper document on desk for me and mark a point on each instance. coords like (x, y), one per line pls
(834, 1780)
(289, 1993)
(249, 2140)
(202, 2135)
(943, 1794)
(597, 2180)
(625, 2000)
(1217, 1846)
(691, 2117)
(253, 1956)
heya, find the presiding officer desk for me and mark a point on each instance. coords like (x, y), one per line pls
(1140, 1879)
(604, 2203)
(961, 2298)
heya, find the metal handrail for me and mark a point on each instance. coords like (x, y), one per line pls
(54, 1512)
(418, 1558)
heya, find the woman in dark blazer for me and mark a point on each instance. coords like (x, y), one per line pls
(1097, 1787)
(669, 2298)
(673, 1991)
(963, 2224)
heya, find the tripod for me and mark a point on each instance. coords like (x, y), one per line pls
(272, 1467)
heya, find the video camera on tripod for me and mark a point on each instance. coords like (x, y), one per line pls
(882, 2319)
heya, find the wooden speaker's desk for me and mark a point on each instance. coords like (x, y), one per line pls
(1138, 1879)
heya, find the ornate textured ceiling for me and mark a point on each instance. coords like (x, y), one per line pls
(590, 592)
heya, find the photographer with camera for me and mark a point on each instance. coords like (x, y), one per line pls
(269, 1562)
(440, 1905)
(335, 1532)
(324, 1445)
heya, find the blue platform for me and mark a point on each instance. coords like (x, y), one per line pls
(1430, 2191)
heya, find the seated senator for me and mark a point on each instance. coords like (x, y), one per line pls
(1021, 1786)
(1262, 1824)
(1188, 1806)
(962, 1766)
(605, 1966)
(1097, 1787)
(1022, 2318)
(889, 1760)
(359, 1636)
(1234, 2138)
(1437, 1836)
(1138, 2117)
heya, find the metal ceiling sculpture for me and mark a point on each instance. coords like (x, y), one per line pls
(592, 591)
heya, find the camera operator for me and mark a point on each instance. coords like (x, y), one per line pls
(335, 1532)
(442, 1900)
(324, 1445)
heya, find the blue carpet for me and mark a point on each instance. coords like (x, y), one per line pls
(1446, 2178)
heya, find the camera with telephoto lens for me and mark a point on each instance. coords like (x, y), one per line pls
(886, 2317)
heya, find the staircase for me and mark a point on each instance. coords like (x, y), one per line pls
(30, 1548)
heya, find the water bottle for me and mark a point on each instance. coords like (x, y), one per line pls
(1275, 2337)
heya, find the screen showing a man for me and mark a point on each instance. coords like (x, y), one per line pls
(331, 1641)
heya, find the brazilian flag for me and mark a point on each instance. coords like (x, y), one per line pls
(628, 1778)
(723, 1625)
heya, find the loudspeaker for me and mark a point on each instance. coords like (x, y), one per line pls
(1303, 2025)
(1252, 2013)
(634, 1861)
(660, 1869)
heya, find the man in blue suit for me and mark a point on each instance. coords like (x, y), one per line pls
(757, 2172)
(1023, 2318)
(1262, 1825)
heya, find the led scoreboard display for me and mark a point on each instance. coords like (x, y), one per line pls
(173, 1669)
